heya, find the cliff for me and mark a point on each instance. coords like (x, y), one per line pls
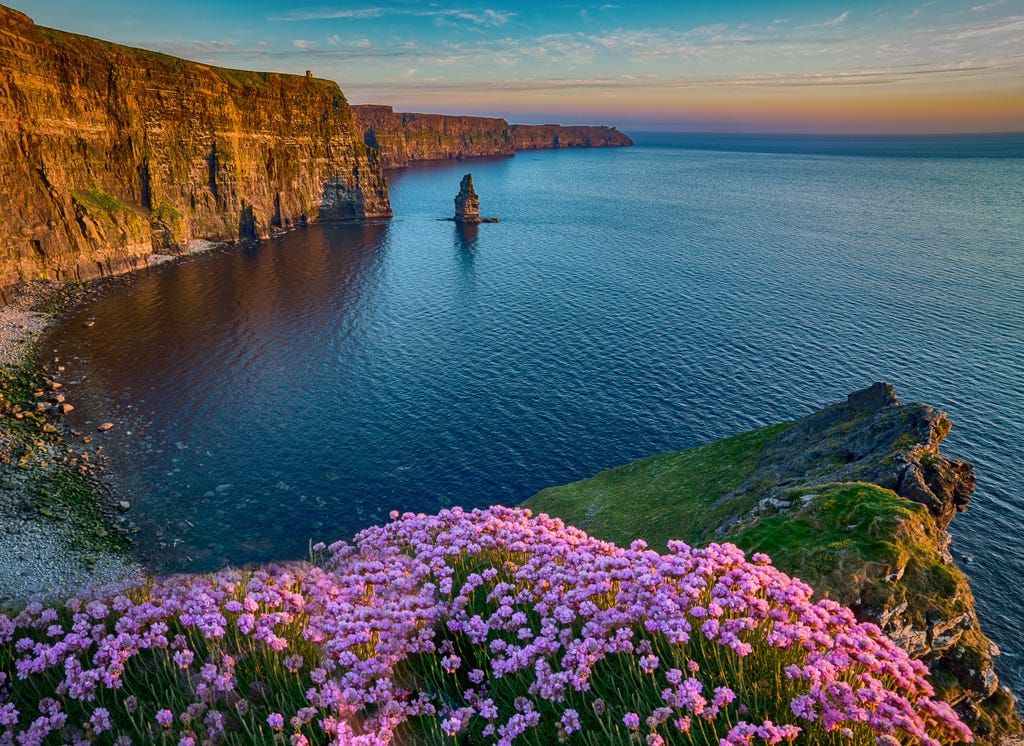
(854, 499)
(403, 138)
(111, 154)
(544, 136)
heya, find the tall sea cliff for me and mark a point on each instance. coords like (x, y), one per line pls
(113, 154)
(403, 137)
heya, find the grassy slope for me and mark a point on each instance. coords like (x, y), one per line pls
(857, 543)
(668, 496)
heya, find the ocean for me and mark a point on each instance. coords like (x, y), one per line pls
(630, 301)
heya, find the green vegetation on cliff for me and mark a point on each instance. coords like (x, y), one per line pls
(854, 500)
(669, 496)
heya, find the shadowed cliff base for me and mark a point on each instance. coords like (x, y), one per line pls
(404, 138)
(113, 154)
(854, 499)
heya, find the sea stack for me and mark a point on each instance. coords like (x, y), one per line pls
(467, 204)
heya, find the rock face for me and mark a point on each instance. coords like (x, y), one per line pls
(111, 154)
(872, 437)
(549, 136)
(403, 138)
(467, 204)
(917, 595)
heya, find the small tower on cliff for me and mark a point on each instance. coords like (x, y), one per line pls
(467, 204)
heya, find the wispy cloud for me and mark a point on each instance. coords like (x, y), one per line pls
(841, 18)
(324, 14)
(485, 17)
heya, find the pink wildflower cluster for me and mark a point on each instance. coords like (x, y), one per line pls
(491, 623)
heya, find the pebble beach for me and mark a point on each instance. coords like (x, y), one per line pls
(41, 553)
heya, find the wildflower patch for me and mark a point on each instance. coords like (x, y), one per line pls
(490, 626)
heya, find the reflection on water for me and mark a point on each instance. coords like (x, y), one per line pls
(302, 389)
(229, 363)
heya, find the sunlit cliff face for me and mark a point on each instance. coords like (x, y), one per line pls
(938, 66)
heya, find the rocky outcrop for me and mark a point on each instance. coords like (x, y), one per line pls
(855, 500)
(403, 138)
(905, 580)
(873, 438)
(548, 136)
(111, 154)
(467, 204)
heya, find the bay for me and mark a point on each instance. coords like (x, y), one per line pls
(631, 301)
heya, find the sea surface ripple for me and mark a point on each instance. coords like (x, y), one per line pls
(631, 301)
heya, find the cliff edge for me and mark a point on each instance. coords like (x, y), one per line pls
(112, 154)
(403, 138)
(855, 500)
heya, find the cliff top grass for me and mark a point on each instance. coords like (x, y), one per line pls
(673, 495)
(848, 540)
(146, 58)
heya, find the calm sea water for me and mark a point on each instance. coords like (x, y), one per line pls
(630, 302)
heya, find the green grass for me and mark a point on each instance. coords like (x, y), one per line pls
(96, 198)
(167, 212)
(668, 496)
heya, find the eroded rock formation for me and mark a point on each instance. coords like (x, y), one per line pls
(403, 138)
(111, 154)
(915, 593)
(467, 203)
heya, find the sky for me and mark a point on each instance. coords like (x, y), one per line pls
(687, 65)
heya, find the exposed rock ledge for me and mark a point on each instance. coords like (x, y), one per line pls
(835, 499)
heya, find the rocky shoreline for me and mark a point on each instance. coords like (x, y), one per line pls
(62, 529)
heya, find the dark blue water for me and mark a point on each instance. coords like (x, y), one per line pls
(631, 301)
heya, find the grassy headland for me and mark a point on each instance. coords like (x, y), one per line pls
(793, 492)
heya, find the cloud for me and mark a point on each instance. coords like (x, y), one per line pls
(485, 17)
(838, 19)
(304, 44)
(328, 14)
(988, 6)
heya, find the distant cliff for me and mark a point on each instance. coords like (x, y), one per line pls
(545, 136)
(403, 138)
(109, 154)
(855, 500)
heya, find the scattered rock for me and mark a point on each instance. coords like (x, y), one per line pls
(88, 323)
(105, 426)
(64, 408)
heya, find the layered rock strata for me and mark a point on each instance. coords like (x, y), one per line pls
(112, 154)
(917, 595)
(403, 138)
(553, 136)
(854, 499)
(467, 203)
